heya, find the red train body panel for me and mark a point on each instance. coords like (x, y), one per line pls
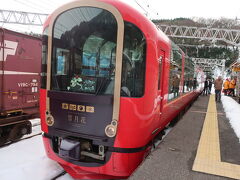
(140, 119)
(20, 67)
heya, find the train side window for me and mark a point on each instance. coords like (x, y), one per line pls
(198, 78)
(174, 88)
(188, 76)
(134, 62)
(62, 61)
(44, 58)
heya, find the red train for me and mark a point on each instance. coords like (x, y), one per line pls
(20, 67)
(112, 81)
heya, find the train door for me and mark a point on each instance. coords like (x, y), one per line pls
(160, 80)
(1, 70)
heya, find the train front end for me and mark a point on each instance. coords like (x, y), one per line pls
(84, 75)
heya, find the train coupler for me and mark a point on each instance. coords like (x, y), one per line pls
(77, 150)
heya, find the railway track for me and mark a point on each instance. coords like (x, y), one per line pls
(59, 175)
(162, 135)
(16, 141)
(36, 131)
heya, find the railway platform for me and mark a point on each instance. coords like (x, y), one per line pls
(201, 146)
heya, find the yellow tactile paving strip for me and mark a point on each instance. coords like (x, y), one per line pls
(208, 158)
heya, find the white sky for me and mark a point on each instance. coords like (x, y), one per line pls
(166, 9)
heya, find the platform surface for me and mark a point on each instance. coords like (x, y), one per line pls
(201, 146)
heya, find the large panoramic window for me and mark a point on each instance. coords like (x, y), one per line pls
(84, 46)
(84, 54)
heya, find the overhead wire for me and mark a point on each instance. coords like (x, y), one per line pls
(150, 12)
(136, 1)
(28, 5)
(43, 7)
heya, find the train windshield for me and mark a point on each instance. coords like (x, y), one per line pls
(84, 46)
(84, 54)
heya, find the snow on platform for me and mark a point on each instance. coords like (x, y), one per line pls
(232, 110)
(26, 160)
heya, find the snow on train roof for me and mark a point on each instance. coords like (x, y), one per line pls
(20, 34)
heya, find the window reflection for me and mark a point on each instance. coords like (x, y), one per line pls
(188, 75)
(175, 73)
(134, 59)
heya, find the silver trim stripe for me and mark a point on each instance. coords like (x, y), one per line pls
(18, 73)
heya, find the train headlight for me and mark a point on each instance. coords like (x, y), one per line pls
(49, 120)
(110, 130)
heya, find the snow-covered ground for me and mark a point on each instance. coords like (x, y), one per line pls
(232, 110)
(26, 160)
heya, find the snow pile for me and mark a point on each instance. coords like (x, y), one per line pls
(232, 110)
(65, 177)
(27, 160)
(35, 121)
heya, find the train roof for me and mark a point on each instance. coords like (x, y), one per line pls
(132, 15)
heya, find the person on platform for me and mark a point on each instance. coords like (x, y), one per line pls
(218, 88)
(209, 86)
(205, 89)
(232, 85)
(226, 86)
(195, 83)
(175, 85)
(190, 84)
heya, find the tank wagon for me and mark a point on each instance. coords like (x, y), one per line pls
(113, 82)
(20, 67)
